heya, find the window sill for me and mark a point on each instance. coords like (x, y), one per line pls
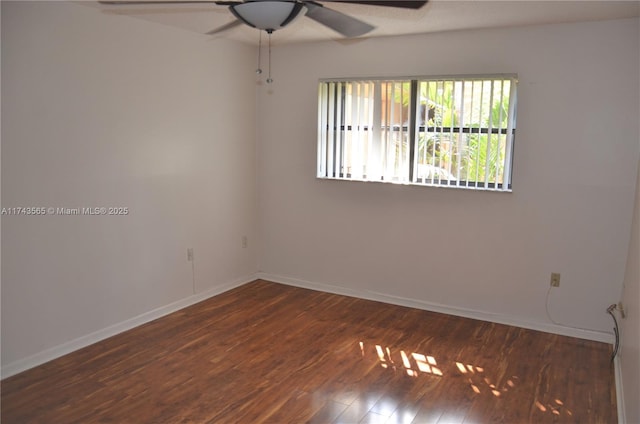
(444, 186)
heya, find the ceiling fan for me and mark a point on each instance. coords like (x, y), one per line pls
(271, 15)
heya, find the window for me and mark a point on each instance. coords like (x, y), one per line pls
(454, 132)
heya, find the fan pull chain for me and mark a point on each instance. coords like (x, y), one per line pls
(269, 79)
(259, 69)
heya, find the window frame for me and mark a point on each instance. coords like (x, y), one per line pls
(413, 128)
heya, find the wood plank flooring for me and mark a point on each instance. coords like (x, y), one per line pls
(269, 353)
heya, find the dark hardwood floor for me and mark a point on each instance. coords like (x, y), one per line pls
(270, 353)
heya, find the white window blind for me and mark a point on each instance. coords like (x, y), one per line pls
(456, 132)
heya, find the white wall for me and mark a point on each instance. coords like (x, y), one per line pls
(630, 327)
(489, 254)
(105, 110)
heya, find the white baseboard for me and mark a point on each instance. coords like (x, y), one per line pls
(65, 348)
(435, 307)
(622, 417)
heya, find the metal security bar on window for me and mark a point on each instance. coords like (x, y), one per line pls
(455, 132)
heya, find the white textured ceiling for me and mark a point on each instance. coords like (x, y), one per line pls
(437, 15)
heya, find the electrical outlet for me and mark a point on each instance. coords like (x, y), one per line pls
(190, 254)
(555, 279)
(245, 242)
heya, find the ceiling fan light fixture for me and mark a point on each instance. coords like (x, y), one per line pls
(267, 15)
